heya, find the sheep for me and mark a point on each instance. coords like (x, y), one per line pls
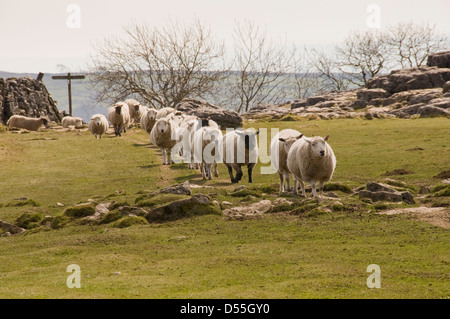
(207, 144)
(279, 149)
(70, 120)
(28, 123)
(136, 110)
(98, 125)
(311, 160)
(119, 117)
(148, 119)
(164, 112)
(240, 148)
(162, 135)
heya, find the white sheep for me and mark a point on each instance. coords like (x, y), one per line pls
(136, 110)
(207, 145)
(148, 119)
(311, 160)
(240, 148)
(164, 112)
(279, 149)
(98, 125)
(71, 120)
(28, 123)
(162, 135)
(119, 117)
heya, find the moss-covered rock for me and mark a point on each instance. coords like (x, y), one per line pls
(29, 220)
(129, 221)
(196, 205)
(80, 211)
(58, 222)
(110, 217)
(152, 201)
(22, 201)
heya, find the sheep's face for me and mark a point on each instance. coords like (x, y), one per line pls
(163, 126)
(136, 109)
(151, 114)
(97, 121)
(118, 109)
(44, 121)
(249, 139)
(287, 142)
(318, 146)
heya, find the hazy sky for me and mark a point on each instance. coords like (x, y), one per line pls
(35, 35)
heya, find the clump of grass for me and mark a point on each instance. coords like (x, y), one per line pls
(115, 205)
(282, 207)
(305, 206)
(331, 187)
(80, 211)
(244, 192)
(110, 217)
(29, 220)
(157, 200)
(23, 201)
(269, 189)
(129, 221)
(58, 222)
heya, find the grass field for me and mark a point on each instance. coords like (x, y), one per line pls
(280, 255)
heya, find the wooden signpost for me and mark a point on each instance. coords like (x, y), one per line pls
(69, 79)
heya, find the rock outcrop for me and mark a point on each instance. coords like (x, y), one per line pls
(28, 97)
(422, 91)
(203, 109)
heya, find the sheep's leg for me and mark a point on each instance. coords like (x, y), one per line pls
(313, 186)
(288, 184)
(230, 171)
(238, 173)
(321, 188)
(250, 171)
(169, 156)
(209, 167)
(95, 136)
(163, 151)
(295, 188)
(202, 169)
(302, 186)
(216, 172)
(281, 182)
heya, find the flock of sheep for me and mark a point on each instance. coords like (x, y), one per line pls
(201, 144)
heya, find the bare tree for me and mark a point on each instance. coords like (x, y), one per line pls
(305, 82)
(160, 66)
(411, 43)
(359, 58)
(261, 66)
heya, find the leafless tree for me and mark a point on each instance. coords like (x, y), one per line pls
(411, 43)
(305, 81)
(160, 66)
(261, 68)
(329, 76)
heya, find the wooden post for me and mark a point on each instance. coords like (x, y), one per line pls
(69, 79)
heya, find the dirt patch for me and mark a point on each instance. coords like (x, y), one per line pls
(398, 171)
(416, 149)
(443, 175)
(437, 216)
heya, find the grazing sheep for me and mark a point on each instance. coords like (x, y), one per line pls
(279, 149)
(162, 135)
(148, 119)
(240, 148)
(119, 117)
(207, 144)
(98, 125)
(136, 110)
(164, 112)
(311, 160)
(71, 120)
(28, 123)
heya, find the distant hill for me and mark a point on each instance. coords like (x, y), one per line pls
(83, 102)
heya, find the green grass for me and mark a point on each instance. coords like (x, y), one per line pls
(321, 251)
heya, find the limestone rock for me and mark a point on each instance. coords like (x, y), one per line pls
(178, 189)
(440, 59)
(203, 109)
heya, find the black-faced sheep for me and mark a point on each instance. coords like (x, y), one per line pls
(240, 148)
(311, 160)
(119, 117)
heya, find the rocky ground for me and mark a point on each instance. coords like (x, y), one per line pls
(417, 92)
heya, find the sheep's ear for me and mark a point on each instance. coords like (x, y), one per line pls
(282, 140)
(299, 137)
(308, 140)
(327, 137)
